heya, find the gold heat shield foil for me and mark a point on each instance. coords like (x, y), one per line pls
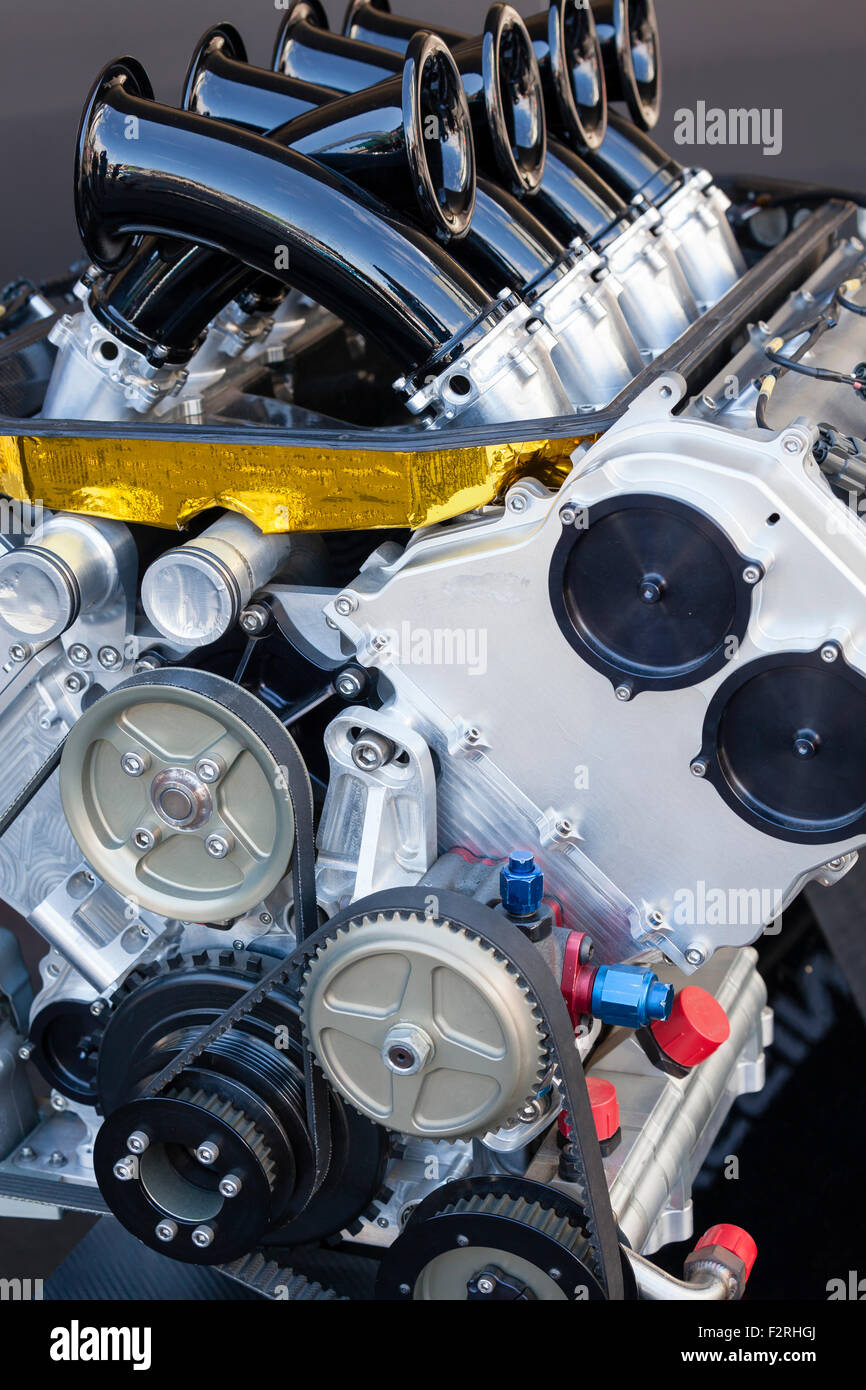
(281, 487)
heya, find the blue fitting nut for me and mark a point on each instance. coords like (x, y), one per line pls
(630, 996)
(521, 885)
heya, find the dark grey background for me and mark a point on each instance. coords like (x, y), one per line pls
(803, 56)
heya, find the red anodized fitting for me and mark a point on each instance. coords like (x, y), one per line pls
(577, 976)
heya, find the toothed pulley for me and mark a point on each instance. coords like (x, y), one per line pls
(173, 786)
(422, 1026)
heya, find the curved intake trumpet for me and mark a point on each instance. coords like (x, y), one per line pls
(498, 68)
(186, 176)
(566, 47)
(629, 35)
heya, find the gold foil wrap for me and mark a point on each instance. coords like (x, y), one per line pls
(281, 487)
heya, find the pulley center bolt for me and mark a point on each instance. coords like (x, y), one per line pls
(806, 744)
(406, 1049)
(134, 764)
(208, 1152)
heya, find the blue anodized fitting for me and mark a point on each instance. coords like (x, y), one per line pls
(630, 996)
(521, 885)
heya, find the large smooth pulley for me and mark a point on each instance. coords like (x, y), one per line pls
(174, 786)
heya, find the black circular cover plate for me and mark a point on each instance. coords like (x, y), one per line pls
(650, 592)
(784, 742)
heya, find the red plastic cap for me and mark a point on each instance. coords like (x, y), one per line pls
(605, 1108)
(697, 1026)
(734, 1239)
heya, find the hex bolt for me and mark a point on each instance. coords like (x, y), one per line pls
(255, 619)
(792, 445)
(78, 654)
(138, 1141)
(370, 751)
(485, 1284)
(345, 604)
(349, 684)
(135, 764)
(20, 651)
(624, 692)
(57, 1158)
(25, 1051)
(202, 1236)
(208, 1152)
(655, 918)
(27, 1154)
(58, 1102)
(568, 514)
(695, 955)
(97, 1007)
(698, 768)
(230, 1185)
(166, 1230)
(209, 769)
(73, 683)
(109, 658)
(752, 573)
(124, 1169)
(516, 502)
(143, 839)
(829, 652)
(217, 846)
(462, 1241)
(150, 661)
(406, 1049)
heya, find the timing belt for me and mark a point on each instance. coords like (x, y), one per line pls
(496, 931)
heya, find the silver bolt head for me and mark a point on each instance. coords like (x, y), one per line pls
(567, 514)
(254, 620)
(407, 1049)
(751, 574)
(485, 1285)
(623, 692)
(166, 1230)
(345, 604)
(143, 839)
(695, 955)
(829, 652)
(370, 751)
(124, 1169)
(517, 503)
(792, 445)
(78, 654)
(698, 768)
(97, 1007)
(138, 1141)
(134, 764)
(230, 1185)
(202, 1236)
(25, 1052)
(20, 651)
(208, 1152)
(109, 658)
(73, 683)
(349, 685)
(208, 770)
(217, 846)
(58, 1102)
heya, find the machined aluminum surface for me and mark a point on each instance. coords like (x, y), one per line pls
(533, 745)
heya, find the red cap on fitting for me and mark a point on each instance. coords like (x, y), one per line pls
(697, 1026)
(734, 1239)
(605, 1108)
